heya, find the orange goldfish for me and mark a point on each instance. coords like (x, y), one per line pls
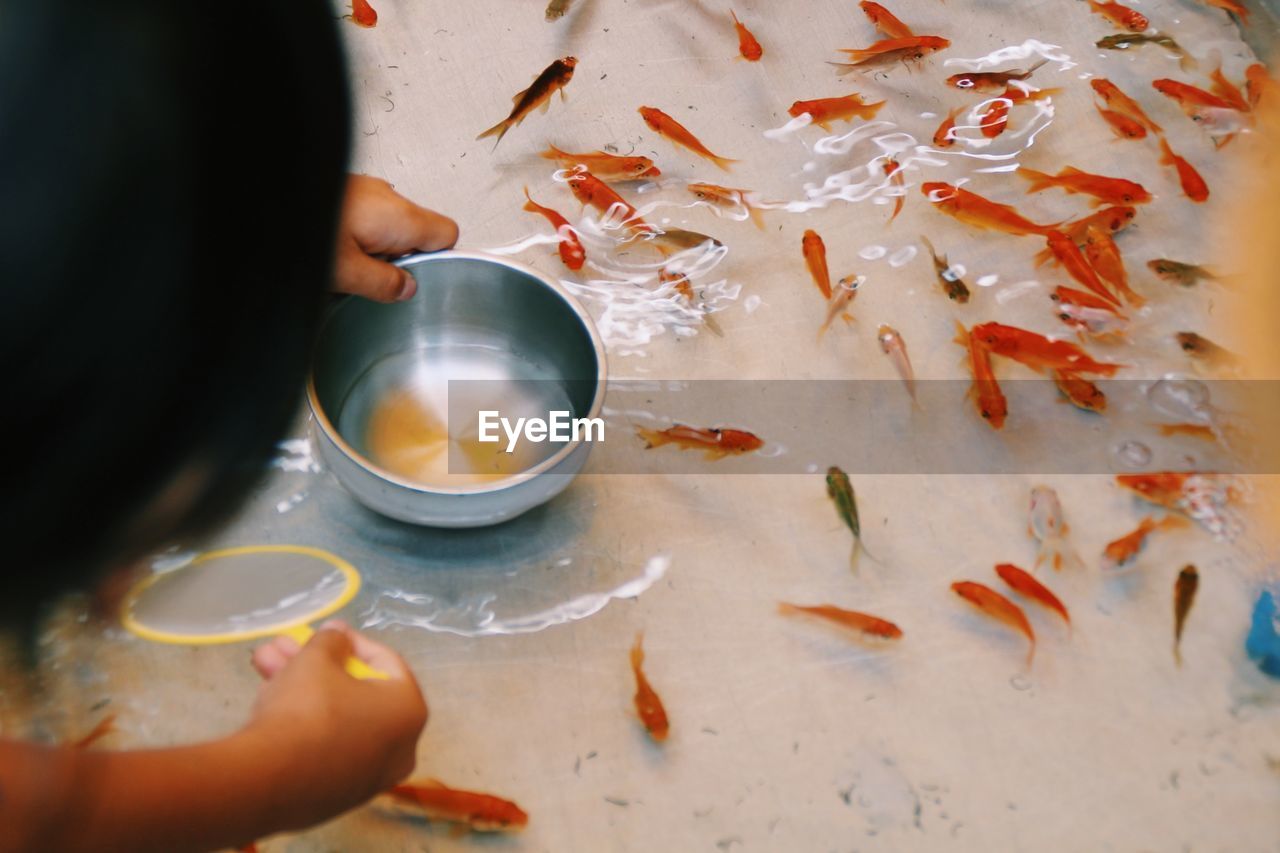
(1194, 430)
(1104, 256)
(1200, 347)
(718, 443)
(863, 623)
(823, 111)
(648, 703)
(1122, 125)
(1038, 352)
(1228, 91)
(975, 210)
(944, 136)
(606, 167)
(844, 292)
(986, 392)
(1073, 260)
(1104, 190)
(1122, 103)
(553, 78)
(722, 197)
(884, 21)
(892, 345)
(363, 14)
(1111, 218)
(1192, 99)
(1122, 551)
(991, 82)
(1080, 392)
(436, 801)
(1193, 186)
(1022, 582)
(996, 119)
(1122, 16)
(747, 44)
(815, 258)
(664, 125)
(571, 251)
(890, 51)
(1256, 83)
(105, 726)
(1179, 490)
(1233, 7)
(893, 171)
(593, 192)
(997, 607)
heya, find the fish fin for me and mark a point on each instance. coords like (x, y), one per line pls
(500, 130)
(723, 162)
(1039, 180)
(545, 105)
(552, 153)
(712, 324)
(824, 124)
(756, 216)
(1034, 68)
(515, 99)
(652, 437)
(715, 453)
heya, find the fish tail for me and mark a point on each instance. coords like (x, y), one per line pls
(637, 651)
(1034, 68)
(652, 437)
(1039, 180)
(1043, 257)
(869, 111)
(723, 162)
(756, 216)
(500, 130)
(530, 205)
(552, 153)
(788, 608)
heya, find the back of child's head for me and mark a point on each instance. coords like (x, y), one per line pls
(170, 179)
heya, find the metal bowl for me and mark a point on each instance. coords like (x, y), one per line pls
(482, 327)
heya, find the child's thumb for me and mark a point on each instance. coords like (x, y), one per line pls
(332, 643)
(363, 275)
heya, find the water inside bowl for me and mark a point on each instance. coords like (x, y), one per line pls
(416, 413)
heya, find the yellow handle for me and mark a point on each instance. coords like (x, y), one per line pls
(356, 668)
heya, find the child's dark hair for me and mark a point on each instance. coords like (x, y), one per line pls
(170, 180)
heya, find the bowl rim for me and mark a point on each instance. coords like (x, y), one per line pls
(597, 400)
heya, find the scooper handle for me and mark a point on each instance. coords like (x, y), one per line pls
(356, 668)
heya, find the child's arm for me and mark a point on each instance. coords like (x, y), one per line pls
(319, 743)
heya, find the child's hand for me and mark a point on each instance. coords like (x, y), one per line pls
(343, 740)
(376, 220)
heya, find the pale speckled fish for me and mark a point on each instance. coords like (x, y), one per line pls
(842, 297)
(1050, 530)
(892, 345)
(556, 9)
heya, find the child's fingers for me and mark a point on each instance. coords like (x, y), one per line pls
(418, 228)
(268, 659)
(363, 275)
(375, 654)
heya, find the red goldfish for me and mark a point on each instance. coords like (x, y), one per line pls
(975, 210)
(722, 197)
(1122, 16)
(1234, 7)
(893, 171)
(997, 607)
(823, 111)
(1038, 352)
(679, 282)
(1256, 83)
(1080, 392)
(1122, 125)
(1194, 430)
(884, 21)
(606, 167)
(748, 47)
(986, 392)
(1088, 313)
(553, 78)
(1192, 99)
(664, 125)
(1104, 190)
(571, 252)
(1023, 583)
(889, 51)
(863, 623)
(995, 119)
(1120, 552)
(815, 258)
(363, 14)
(648, 703)
(1122, 103)
(1111, 218)
(718, 443)
(1072, 259)
(1104, 256)
(1181, 490)
(593, 192)
(1228, 91)
(944, 136)
(991, 82)
(436, 801)
(1193, 186)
